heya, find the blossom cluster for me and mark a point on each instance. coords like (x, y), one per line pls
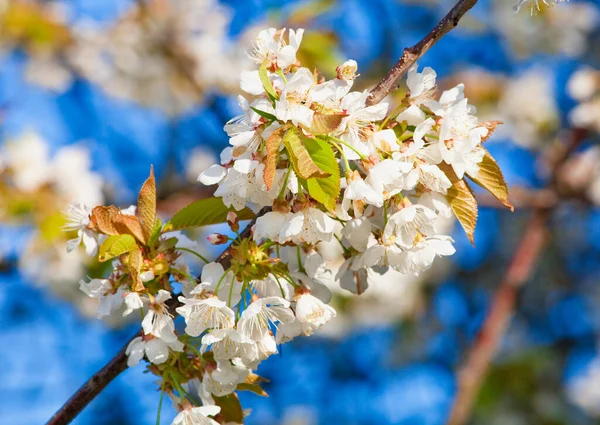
(311, 161)
(168, 55)
(36, 182)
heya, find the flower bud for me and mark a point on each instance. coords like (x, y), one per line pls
(217, 239)
(233, 221)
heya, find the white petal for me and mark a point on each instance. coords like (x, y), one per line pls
(250, 82)
(157, 351)
(213, 175)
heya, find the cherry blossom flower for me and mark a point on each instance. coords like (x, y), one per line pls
(197, 416)
(155, 349)
(262, 313)
(203, 314)
(312, 313)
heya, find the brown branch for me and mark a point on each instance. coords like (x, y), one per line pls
(472, 373)
(88, 391)
(414, 53)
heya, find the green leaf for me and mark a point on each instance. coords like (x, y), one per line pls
(231, 409)
(203, 213)
(264, 114)
(491, 179)
(325, 124)
(116, 245)
(264, 78)
(156, 231)
(146, 207)
(325, 190)
(297, 145)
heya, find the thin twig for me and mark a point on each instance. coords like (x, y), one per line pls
(477, 361)
(414, 53)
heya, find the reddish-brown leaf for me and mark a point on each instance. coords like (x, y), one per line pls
(146, 207)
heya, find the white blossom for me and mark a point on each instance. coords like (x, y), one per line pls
(158, 321)
(262, 313)
(312, 313)
(110, 297)
(155, 349)
(203, 314)
(78, 220)
(197, 416)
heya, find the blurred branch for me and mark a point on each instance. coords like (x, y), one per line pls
(521, 197)
(414, 53)
(472, 373)
(88, 391)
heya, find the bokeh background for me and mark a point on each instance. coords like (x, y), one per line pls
(93, 92)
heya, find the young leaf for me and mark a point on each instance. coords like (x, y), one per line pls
(325, 190)
(264, 78)
(272, 145)
(114, 246)
(203, 213)
(101, 219)
(231, 409)
(136, 260)
(129, 224)
(462, 201)
(491, 179)
(296, 144)
(325, 124)
(146, 207)
(111, 221)
(264, 114)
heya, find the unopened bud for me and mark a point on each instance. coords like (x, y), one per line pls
(217, 239)
(233, 221)
(301, 290)
(161, 267)
(281, 206)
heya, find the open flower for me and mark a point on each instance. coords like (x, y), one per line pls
(293, 102)
(200, 315)
(262, 313)
(214, 280)
(270, 46)
(158, 321)
(197, 416)
(155, 349)
(420, 84)
(408, 223)
(229, 343)
(312, 313)
(78, 219)
(110, 297)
